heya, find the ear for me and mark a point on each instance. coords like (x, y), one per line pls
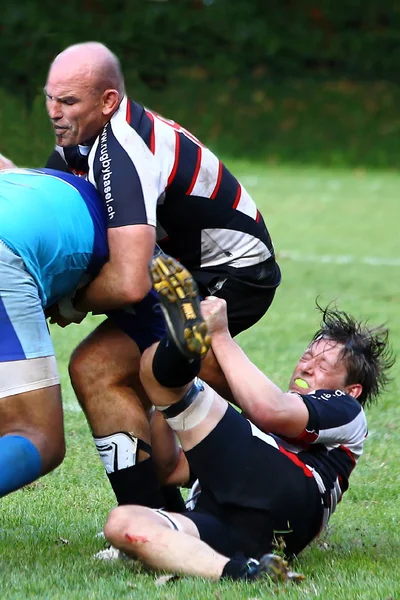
(111, 100)
(355, 389)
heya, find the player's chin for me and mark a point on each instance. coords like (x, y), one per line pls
(64, 140)
(60, 141)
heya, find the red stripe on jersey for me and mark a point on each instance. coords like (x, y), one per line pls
(176, 160)
(196, 172)
(258, 216)
(307, 437)
(349, 454)
(215, 192)
(152, 136)
(296, 461)
(128, 111)
(238, 195)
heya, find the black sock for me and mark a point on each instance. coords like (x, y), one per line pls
(240, 568)
(137, 485)
(172, 369)
(173, 500)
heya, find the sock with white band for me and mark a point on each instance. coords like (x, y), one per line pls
(190, 410)
(133, 482)
(171, 368)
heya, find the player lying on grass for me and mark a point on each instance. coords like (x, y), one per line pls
(280, 472)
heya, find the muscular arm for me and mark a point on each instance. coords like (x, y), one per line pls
(124, 279)
(263, 402)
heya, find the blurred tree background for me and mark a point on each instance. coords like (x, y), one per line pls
(298, 81)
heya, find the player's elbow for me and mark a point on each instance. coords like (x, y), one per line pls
(133, 292)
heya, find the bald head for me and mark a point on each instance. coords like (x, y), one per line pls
(91, 62)
(84, 89)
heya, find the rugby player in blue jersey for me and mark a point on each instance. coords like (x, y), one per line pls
(52, 240)
(52, 234)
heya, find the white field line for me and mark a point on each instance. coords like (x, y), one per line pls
(373, 261)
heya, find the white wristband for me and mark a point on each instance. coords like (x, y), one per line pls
(68, 311)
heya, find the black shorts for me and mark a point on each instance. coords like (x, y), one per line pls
(248, 292)
(252, 494)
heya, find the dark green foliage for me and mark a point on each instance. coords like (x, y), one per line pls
(278, 81)
(224, 38)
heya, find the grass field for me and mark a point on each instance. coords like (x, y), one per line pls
(336, 236)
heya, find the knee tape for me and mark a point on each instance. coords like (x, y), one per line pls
(192, 409)
(19, 376)
(119, 450)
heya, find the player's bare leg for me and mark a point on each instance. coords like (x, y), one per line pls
(105, 375)
(32, 436)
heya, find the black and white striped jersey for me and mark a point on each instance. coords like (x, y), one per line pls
(149, 170)
(331, 444)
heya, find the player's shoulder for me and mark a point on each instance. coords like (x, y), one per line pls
(129, 128)
(332, 396)
(333, 400)
(335, 410)
(128, 115)
(327, 394)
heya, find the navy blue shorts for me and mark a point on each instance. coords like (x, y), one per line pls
(144, 322)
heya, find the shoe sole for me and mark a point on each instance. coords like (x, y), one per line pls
(180, 303)
(277, 569)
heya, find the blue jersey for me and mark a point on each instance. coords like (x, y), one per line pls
(56, 223)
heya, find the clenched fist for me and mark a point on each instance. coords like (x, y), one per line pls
(214, 312)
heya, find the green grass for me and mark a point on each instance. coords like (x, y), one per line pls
(47, 531)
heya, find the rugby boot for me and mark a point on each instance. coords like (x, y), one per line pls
(180, 302)
(271, 566)
(277, 569)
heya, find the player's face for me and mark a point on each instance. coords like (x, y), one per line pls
(320, 367)
(74, 108)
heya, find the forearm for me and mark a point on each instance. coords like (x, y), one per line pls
(111, 289)
(263, 402)
(258, 397)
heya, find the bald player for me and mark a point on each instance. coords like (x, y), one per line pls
(158, 183)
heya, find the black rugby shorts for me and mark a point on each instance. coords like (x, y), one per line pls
(248, 292)
(251, 493)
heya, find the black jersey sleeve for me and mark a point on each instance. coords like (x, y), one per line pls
(55, 161)
(335, 417)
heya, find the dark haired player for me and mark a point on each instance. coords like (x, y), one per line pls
(279, 472)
